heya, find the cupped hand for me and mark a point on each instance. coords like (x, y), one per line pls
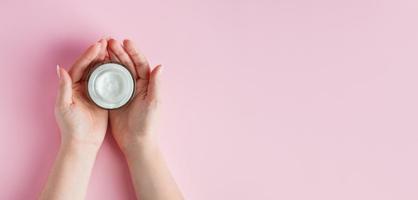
(79, 120)
(135, 123)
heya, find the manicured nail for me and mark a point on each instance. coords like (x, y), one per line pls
(58, 71)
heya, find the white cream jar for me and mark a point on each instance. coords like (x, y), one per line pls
(110, 85)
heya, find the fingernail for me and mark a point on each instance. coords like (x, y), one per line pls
(101, 39)
(161, 68)
(58, 71)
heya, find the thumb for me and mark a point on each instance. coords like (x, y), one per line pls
(154, 84)
(65, 92)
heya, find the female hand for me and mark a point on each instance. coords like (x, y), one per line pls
(134, 124)
(83, 127)
(79, 120)
(133, 127)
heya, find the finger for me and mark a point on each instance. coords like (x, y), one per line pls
(140, 62)
(118, 51)
(64, 97)
(111, 55)
(107, 56)
(103, 50)
(154, 84)
(79, 67)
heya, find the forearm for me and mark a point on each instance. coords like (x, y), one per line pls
(71, 172)
(151, 176)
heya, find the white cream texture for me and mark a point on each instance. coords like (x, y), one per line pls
(110, 85)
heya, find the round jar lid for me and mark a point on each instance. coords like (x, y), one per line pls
(110, 85)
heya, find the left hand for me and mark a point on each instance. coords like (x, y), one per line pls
(80, 121)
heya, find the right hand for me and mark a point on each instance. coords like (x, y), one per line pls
(134, 124)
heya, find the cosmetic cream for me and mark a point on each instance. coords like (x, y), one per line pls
(110, 85)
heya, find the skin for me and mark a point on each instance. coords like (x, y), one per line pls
(133, 127)
(83, 126)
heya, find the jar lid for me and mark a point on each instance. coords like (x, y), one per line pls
(110, 85)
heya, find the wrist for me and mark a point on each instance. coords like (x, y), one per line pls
(79, 148)
(140, 146)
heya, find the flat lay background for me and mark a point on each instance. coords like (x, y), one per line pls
(263, 99)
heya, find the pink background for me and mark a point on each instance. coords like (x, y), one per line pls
(263, 99)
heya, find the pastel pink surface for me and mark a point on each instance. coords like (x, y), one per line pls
(289, 99)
